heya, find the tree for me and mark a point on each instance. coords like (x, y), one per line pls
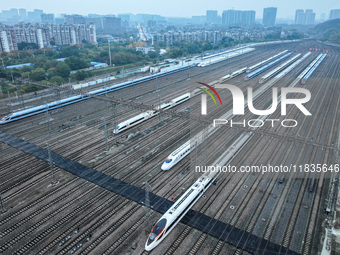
(69, 51)
(58, 80)
(27, 46)
(152, 54)
(38, 74)
(26, 75)
(52, 41)
(63, 69)
(76, 63)
(81, 75)
(52, 71)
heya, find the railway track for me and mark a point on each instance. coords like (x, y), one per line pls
(104, 164)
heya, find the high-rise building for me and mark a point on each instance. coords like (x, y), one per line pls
(14, 13)
(22, 13)
(269, 16)
(8, 41)
(211, 17)
(44, 34)
(310, 17)
(304, 18)
(235, 17)
(248, 17)
(334, 14)
(299, 14)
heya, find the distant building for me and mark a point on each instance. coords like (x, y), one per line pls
(45, 35)
(124, 17)
(248, 17)
(211, 17)
(47, 18)
(299, 16)
(145, 50)
(97, 21)
(14, 13)
(198, 19)
(59, 21)
(230, 17)
(235, 17)
(8, 41)
(35, 16)
(74, 19)
(310, 17)
(22, 13)
(112, 25)
(304, 18)
(269, 16)
(334, 14)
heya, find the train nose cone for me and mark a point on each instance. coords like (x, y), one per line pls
(165, 166)
(148, 247)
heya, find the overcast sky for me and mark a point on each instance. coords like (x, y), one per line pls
(174, 8)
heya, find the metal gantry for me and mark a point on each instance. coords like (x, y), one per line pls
(186, 116)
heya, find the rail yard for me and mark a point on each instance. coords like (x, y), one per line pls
(105, 190)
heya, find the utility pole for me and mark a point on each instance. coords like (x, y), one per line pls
(48, 120)
(147, 205)
(105, 134)
(108, 40)
(54, 179)
(196, 148)
(10, 101)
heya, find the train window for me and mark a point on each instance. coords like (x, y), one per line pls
(168, 160)
(161, 235)
(137, 120)
(158, 228)
(152, 236)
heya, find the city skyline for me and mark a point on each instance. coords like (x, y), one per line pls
(187, 9)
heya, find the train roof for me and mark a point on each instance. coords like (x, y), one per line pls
(142, 115)
(40, 107)
(180, 148)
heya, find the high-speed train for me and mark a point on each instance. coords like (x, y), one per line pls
(231, 54)
(176, 156)
(278, 69)
(320, 58)
(41, 108)
(178, 210)
(60, 103)
(149, 114)
(266, 67)
(234, 74)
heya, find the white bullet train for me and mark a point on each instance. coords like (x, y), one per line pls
(149, 114)
(176, 156)
(178, 210)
